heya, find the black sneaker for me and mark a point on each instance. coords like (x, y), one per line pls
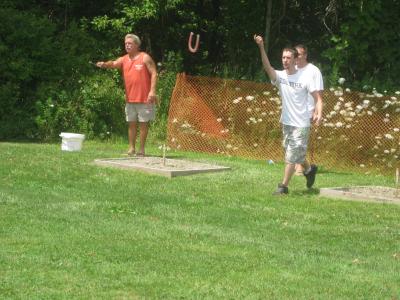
(310, 176)
(281, 190)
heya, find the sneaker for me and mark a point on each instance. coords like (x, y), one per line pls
(281, 190)
(310, 176)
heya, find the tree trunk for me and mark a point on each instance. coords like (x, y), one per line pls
(267, 25)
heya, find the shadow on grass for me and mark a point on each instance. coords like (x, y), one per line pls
(307, 192)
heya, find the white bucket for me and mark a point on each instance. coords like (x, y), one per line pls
(71, 141)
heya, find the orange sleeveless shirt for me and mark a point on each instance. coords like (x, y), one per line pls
(137, 79)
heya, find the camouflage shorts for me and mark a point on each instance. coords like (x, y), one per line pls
(295, 140)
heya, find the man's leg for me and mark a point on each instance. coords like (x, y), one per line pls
(144, 129)
(289, 171)
(132, 133)
(309, 172)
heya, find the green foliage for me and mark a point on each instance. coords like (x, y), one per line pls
(47, 46)
(95, 109)
(29, 59)
(364, 47)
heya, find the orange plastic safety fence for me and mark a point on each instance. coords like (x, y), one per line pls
(360, 131)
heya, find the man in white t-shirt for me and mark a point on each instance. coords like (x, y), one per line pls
(294, 87)
(303, 65)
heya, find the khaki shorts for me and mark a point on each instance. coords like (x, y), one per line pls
(295, 140)
(140, 112)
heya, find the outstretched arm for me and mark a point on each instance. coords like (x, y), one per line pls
(265, 61)
(111, 64)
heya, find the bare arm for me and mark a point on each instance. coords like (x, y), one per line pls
(151, 66)
(111, 64)
(265, 61)
(317, 117)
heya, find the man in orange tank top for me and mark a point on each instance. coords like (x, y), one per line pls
(140, 78)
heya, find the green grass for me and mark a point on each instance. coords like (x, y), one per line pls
(73, 230)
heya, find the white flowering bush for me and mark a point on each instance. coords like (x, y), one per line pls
(359, 129)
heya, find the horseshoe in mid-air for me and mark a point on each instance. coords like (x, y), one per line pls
(196, 47)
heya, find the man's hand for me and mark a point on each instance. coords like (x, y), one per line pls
(259, 40)
(317, 118)
(152, 98)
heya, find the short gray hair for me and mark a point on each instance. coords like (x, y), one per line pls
(134, 37)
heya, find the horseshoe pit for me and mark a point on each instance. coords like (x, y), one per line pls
(157, 165)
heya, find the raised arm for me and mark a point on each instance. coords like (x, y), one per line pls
(151, 66)
(111, 64)
(265, 61)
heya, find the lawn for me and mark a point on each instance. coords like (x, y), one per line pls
(72, 230)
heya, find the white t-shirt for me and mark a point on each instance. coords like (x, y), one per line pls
(294, 90)
(313, 71)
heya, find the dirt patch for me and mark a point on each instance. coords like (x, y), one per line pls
(156, 165)
(364, 193)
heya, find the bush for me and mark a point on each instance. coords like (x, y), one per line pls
(95, 109)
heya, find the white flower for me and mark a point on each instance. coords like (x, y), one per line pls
(396, 129)
(237, 88)
(203, 134)
(362, 166)
(341, 80)
(263, 113)
(386, 151)
(348, 104)
(397, 92)
(266, 93)
(51, 105)
(348, 90)
(249, 98)
(159, 64)
(393, 98)
(235, 101)
(338, 93)
(339, 124)
(249, 110)
(392, 150)
(255, 145)
(175, 120)
(389, 136)
(386, 120)
(219, 119)
(229, 146)
(366, 102)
